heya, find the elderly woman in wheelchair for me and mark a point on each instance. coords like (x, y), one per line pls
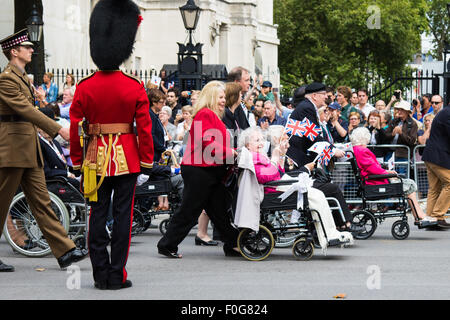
(374, 175)
(263, 209)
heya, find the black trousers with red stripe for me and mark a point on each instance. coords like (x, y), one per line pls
(106, 268)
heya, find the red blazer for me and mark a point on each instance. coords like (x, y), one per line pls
(113, 97)
(209, 142)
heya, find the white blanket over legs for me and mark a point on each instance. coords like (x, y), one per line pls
(318, 202)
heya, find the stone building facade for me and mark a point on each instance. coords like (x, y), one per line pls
(233, 32)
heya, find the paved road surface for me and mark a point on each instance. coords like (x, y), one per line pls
(378, 268)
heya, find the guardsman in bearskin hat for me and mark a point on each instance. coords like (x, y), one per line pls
(21, 161)
(105, 106)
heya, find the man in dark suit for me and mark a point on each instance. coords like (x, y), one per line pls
(315, 96)
(436, 156)
(55, 164)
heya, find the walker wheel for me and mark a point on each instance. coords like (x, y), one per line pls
(303, 249)
(400, 229)
(366, 220)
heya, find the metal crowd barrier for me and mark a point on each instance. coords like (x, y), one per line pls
(344, 177)
(420, 174)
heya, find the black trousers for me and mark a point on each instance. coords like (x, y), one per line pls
(332, 190)
(203, 189)
(106, 268)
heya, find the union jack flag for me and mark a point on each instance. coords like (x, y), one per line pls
(311, 131)
(326, 155)
(294, 128)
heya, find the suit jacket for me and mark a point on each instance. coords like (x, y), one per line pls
(53, 165)
(298, 150)
(437, 148)
(159, 145)
(19, 142)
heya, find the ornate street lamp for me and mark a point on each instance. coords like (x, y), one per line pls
(190, 56)
(190, 13)
(35, 25)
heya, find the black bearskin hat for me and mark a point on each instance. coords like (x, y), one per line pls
(112, 30)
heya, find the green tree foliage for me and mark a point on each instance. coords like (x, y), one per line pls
(439, 25)
(345, 42)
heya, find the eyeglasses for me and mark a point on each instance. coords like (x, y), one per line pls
(353, 119)
(435, 102)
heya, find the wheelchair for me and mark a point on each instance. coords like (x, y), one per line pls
(275, 229)
(22, 231)
(144, 200)
(369, 218)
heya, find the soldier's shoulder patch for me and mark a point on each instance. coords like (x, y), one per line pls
(85, 78)
(132, 77)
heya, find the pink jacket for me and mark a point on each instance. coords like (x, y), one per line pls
(266, 171)
(368, 164)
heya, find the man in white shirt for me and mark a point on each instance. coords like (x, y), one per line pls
(365, 107)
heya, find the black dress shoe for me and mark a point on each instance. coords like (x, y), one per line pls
(231, 252)
(123, 285)
(168, 253)
(199, 242)
(102, 285)
(5, 267)
(74, 255)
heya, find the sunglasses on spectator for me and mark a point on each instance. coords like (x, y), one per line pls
(435, 102)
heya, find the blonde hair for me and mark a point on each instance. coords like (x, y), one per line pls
(209, 98)
(187, 108)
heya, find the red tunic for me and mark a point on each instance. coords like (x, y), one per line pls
(108, 97)
(209, 142)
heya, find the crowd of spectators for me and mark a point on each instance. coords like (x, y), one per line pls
(255, 103)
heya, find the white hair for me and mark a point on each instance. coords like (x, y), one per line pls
(360, 136)
(244, 136)
(272, 103)
(168, 110)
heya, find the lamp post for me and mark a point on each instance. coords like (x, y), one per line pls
(190, 55)
(35, 25)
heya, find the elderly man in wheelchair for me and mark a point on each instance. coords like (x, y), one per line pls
(266, 197)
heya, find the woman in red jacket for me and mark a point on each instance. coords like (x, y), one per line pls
(203, 169)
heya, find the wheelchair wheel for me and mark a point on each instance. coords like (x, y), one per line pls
(22, 231)
(256, 246)
(138, 223)
(303, 249)
(163, 226)
(400, 229)
(367, 220)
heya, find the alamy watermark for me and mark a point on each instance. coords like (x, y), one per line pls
(73, 281)
(374, 20)
(374, 280)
